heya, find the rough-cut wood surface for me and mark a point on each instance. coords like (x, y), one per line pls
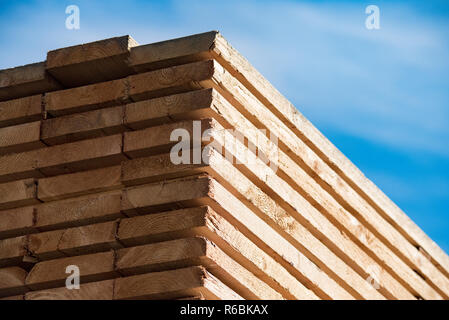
(21, 137)
(15, 222)
(60, 159)
(189, 252)
(305, 225)
(292, 173)
(75, 184)
(166, 109)
(78, 211)
(21, 110)
(176, 51)
(91, 62)
(213, 45)
(74, 241)
(86, 98)
(52, 273)
(168, 81)
(84, 125)
(173, 284)
(332, 184)
(12, 251)
(205, 222)
(25, 81)
(157, 139)
(207, 191)
(101, 290)
(18, 193)
(12, 281)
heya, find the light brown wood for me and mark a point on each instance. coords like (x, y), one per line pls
(18, 193)
(60, 159)
(173, 284)
(20, 110)
(80, 183)
(101, 290)
(19, 138)
(52, 273)
(25, 81)
(157, 139)
(202, 190)
(74, 241)
(213, 45)
(79, 211)
(83, 125)
(295, 175)
(167, 53)
(282, 108)
(12, 251)
(91, 62)
(85, 98)
(182, 253)
(167, 109)
(203, 221)
(16, 222)
(337, 187)
(12, 281)
(171, 80)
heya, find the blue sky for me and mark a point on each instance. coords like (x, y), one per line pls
(381, 96)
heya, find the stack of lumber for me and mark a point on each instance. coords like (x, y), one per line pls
(265, 208)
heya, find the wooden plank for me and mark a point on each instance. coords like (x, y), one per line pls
(12, 281)
(295, 175)
(327, 179)
(78, 211)
(162, 166)
(81, 155)
(182, 253)
(19, 138)
(101, 290)
(80, 183)
(288, 227)
(83, 125)
(203, 221)
(16, 222)
(136, 199)
(167, 53)
(26, 80)
(52, 273)
(18, 193)
(214, 46)
(196, 191)
(146, 113)
(173, 284)
(85, 98)
(308, 216)
(167, 81)
(91, 62)
(287, 113)
(44, 245)
(20, 110)
(12, 251)
(74, 241)
(157, 139)
(60, 159)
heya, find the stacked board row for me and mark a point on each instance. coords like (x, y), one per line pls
(262, 206)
